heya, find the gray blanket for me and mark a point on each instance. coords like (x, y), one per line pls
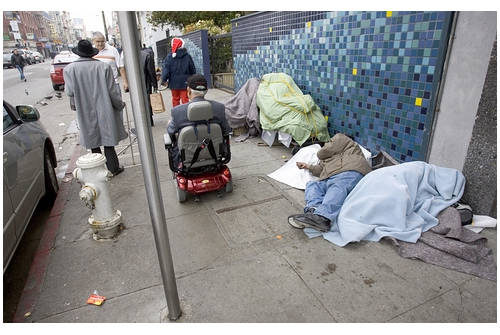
(451, 246)
(241, 109)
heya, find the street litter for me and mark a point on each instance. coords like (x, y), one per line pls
(479, 222)
(96, 299)
(27, 315)
(61, 124)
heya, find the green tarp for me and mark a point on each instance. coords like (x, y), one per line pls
(283, 107)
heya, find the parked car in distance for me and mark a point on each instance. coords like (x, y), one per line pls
(38, 57)
(27, 55)
(29, 160)
(6, 59)
(57, 66)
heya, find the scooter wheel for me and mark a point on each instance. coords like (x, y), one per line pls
(181, 195)
(229, 187)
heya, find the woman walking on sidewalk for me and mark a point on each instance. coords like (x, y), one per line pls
(18, 62)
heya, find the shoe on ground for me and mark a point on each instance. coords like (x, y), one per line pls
(117, 172)
(133, 131)
(309, 220)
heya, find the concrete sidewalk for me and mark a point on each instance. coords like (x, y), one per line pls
(236, 259)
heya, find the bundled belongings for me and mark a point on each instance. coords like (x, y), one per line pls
(284, 108)
(241, 109)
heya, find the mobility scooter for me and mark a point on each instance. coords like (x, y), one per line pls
(203, 153)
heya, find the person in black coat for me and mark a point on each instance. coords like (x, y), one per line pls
(150, 77)
(177, 67)
(18, 62)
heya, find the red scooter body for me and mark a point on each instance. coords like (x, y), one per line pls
(204, 182)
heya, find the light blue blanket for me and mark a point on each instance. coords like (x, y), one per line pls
(401, 201)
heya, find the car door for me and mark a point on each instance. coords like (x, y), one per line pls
(23, 167)
(9, 224)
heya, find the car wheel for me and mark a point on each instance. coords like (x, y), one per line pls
(181, 194)
(51, 185)
(229, 187)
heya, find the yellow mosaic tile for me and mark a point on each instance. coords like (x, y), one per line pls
(388, 14)
(308, 24)
(354, 71)
(418, 102)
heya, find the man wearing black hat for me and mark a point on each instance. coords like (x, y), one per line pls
(196, 89)
(90, 85)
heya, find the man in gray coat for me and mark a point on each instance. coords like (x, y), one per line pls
(97, 100)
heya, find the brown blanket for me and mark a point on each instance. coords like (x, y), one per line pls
(451, 246)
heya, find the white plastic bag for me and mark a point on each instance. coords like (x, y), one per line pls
(291, 175)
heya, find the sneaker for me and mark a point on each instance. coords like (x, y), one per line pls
(309, 220)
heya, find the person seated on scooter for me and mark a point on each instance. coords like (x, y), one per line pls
(342, 165)
(197, 87)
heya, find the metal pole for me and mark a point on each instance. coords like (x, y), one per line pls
(131, 49)
(105, 27)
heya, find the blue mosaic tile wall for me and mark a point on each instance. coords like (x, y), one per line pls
(196, 44)
(374, 74)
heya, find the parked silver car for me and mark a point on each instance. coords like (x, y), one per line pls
(28, 172)
(39, 58)
(6, 59)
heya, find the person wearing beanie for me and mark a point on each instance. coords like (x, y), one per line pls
(90, 85)
(196, 89)
(177, 67)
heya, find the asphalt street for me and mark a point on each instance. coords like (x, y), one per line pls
(37, 86)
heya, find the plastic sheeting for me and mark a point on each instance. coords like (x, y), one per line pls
(291, 175)
(268, 136)
(284, 108)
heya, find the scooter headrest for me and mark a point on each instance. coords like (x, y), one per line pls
(199, 111)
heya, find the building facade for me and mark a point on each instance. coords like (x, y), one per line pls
(151, 36)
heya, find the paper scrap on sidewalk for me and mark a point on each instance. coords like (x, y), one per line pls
(95, 299)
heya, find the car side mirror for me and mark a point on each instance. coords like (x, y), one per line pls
(28, 113)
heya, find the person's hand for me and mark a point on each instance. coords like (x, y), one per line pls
(302, 165)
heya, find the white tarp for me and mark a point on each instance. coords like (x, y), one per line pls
(291, 175)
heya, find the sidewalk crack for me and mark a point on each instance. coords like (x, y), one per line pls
(308, 287)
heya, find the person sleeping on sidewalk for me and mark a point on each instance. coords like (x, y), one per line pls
(342, 165)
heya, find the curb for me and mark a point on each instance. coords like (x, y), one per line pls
(36, 275)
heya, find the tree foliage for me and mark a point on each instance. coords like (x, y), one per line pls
(182, 19)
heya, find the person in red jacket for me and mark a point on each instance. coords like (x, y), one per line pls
(177, 67)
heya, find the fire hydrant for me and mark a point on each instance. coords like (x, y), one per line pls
(93, 174)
